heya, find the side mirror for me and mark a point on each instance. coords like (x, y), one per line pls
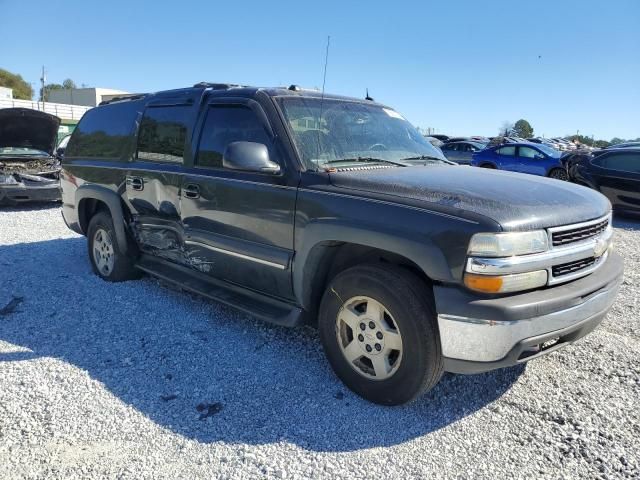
(249, 157)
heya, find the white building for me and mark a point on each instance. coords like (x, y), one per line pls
(90, 97)
(6, 93)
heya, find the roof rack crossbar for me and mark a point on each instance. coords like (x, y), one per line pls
(122, 98)
(216, 86)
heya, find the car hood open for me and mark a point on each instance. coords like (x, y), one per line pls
(26, 128)
(516, 201)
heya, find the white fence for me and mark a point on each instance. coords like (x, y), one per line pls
(62, 110)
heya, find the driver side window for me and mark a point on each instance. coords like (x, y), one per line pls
(527, 152)
(226, 124)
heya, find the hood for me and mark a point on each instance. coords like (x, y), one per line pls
(514, 200)
(27, 128)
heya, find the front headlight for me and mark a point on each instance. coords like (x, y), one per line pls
(7, 180)
(508, 244)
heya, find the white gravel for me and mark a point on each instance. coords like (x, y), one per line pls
(136, 380)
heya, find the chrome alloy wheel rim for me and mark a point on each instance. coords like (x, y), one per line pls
(369, 338)
(103, 253)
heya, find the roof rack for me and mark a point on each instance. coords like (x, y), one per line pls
(122, 98)
(216, 86)
(298, 88)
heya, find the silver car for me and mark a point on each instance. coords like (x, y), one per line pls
(461, 152)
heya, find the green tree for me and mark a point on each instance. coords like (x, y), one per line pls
(69, 84)
(616, 140)
(523, 129)
(21, 89)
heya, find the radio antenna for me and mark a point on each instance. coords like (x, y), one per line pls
(324, 80)
(326, 61)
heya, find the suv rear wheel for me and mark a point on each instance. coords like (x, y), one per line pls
(378, 329)
(107, 261)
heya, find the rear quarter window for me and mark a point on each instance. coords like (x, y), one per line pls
(105, 132)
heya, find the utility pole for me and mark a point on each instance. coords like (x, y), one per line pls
(42, 80)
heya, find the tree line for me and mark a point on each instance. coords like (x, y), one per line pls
(523, 129)
(22, 90)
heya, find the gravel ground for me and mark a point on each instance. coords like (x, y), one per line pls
(136, 380)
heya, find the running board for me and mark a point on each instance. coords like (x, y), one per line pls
(256, 304)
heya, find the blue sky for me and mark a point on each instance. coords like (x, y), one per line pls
(462, 67)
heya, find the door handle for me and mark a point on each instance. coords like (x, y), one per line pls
(136, 183)
(191, 191)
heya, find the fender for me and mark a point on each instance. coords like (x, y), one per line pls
(112, 200)
(421, 251)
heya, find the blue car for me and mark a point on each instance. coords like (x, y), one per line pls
(535, 159)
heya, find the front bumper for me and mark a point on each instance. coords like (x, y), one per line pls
(13, 194)
(480, 334)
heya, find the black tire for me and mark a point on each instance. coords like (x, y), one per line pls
(488, 165)
(559, 174)
(411, 304)
(123, 265)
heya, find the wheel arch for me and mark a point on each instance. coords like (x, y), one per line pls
(488, 164)
(92, 198)
(343, 247)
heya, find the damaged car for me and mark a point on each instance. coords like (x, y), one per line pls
(29, 168)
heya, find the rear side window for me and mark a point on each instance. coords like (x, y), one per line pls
(508, 151)
(105, 132)
(225, 124)
(624, 162)
(163, 134)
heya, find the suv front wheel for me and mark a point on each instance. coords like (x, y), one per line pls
(378, 328)
(107, 261)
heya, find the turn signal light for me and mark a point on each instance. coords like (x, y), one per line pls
(506, 283)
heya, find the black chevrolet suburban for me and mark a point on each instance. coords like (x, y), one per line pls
(295, 206)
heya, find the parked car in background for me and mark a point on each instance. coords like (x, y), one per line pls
(434, 141)
(62, 146)
(565, 145)
(439, 136)
(623, 145)
(461, 152)
(545, 141)
(524, 158)
(29, 169)
(457, 139)
(614, 173)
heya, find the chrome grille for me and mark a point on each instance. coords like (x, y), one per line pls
(567, 268)
(565, 237)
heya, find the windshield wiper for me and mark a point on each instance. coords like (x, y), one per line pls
(425, 157)
(364, 160)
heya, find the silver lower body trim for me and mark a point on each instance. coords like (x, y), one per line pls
(236, 254)
(484, 340)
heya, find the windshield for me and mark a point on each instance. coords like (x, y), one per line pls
(18, 151)
(478, 145)
(550, 151)
(330, 131)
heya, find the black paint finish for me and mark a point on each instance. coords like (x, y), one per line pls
(274, 235)
(613, 172)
